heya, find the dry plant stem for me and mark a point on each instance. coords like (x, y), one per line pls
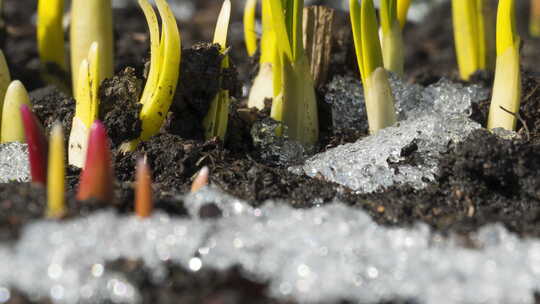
(97, 176)
(318, 26)
(91, 21)
(201, 180)
(12, 129)
(56, 174)
(143, 191)
(37, 146)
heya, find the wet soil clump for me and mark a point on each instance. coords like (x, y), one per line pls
(120, 106)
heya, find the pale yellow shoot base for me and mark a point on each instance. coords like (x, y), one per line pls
(262, 87)
(506, 90)
(392, 49)
(379, 101)
(12, 129)
(78, 143)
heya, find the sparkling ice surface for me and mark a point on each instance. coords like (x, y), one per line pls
(313, 255)
(14, 163)
(428, 119)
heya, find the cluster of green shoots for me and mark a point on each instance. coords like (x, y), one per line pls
(91, 49)
(284, 77)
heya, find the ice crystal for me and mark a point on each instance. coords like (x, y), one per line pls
(405, 153)
(14, 162)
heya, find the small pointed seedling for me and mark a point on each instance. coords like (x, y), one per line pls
(201, 180)
(250, 36)
(5, 80)
(12, 129)
(534, 21)
(263, 84)
(143, 189)
(216, 120)
(37, 146)
(164, 71)
(506, 95)
(86, 107)
(379, 99)
(96, 180)
(294, 102)
(469, 36)
(50, 34)
(402, 10)
(56, 174)
(91, 21)
(392, 38)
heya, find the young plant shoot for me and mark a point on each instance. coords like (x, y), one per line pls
(378, 95)
(250, 36)
(534, 21)
(143, 189)
(50, 34)
(86, 107)
(263, 84)
(96, 180)
(469, 36)
(216, 120)
(5, 80)
(294, 103)
(12, 129)
(162, 79)
(392, 37)
(402, 10)
(91, 21)
(507, 85)
(56, 173)
(201, 180)
(37, 146)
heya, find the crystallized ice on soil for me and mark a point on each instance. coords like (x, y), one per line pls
(14, 162)
(406, 153)
(316, 255)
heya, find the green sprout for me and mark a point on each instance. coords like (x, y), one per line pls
(402, 10)
(392, 37)
(164, 71)
(216, 120)
(263, 84)
(378, 95)
(86, 107)
(12, 128)
(470, 36)
(507, 85)
(50, 34)
(294, 103)
(534, 21)
(250, 36)
(91, 21)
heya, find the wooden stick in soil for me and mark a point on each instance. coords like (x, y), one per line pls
(317, 26)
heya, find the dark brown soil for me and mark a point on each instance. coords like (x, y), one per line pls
(482, 180)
